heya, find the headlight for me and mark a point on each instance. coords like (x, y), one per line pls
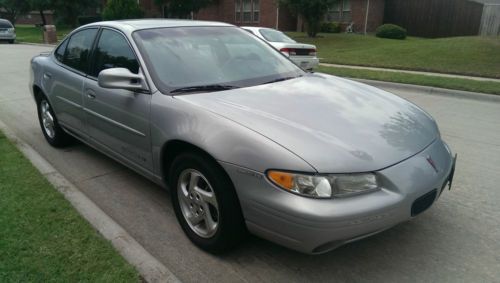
(324, 186)
(11, 30)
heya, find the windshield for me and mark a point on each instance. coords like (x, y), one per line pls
(5, 24)
(224, 57)
(273, 35)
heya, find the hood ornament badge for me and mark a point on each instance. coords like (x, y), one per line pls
(431, 162)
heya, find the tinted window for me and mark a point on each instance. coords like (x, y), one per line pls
(60, 51)
(77, 52)
(113, 51)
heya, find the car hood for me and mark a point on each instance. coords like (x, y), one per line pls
(335, 125)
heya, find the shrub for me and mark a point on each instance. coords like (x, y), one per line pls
(83, 20)
(330, 27)
(391, 31)
(122, 9)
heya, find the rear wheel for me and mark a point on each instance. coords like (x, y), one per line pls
(205, 203)
(51, 129)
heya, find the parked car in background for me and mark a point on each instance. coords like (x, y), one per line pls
(303, 55)
(7, 31)
(244, 139)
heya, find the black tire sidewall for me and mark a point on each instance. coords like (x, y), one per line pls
(61, 138)
(231, 228)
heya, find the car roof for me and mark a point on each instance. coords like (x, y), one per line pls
(132, 25)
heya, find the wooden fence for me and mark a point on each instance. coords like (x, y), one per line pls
(435, 18)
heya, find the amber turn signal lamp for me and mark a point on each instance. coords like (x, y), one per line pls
(282, 179)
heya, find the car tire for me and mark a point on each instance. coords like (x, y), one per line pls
(52, 131)
(11, 41)
(189, 198)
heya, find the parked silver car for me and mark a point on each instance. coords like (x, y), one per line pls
(7, 31)
(303, 55)
(244, 138)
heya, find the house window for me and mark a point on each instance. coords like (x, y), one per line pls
(247, 11)
(339, 11)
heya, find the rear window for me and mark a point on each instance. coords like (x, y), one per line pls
(5, 24)
(275, 36)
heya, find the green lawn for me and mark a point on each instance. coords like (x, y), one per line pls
(32, 34)
(471, 55)
(434, 81)
(42, 237)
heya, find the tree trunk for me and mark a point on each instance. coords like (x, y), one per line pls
(42, 15)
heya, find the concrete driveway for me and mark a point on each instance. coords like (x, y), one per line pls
(458, 239)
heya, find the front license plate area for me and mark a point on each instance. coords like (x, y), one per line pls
(452, 173)
(449, 180)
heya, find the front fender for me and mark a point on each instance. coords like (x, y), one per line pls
(225, 140)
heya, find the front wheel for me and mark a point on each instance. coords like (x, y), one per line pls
(11, 41)
(51, 129)
(205, 203)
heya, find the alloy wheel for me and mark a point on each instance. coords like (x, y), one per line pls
(198, 203)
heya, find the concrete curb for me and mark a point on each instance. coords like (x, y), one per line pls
(37, 44)
(431, 90)
(148, 267)
(423, 73)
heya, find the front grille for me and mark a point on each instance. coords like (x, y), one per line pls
(423, 202)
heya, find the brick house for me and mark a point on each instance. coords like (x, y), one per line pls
(266, 13)
(269, 13)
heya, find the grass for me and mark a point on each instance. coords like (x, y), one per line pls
(425, 80)
(32, 34)
(470, 55)
(42, 237)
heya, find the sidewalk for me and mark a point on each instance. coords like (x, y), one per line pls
(412, 72)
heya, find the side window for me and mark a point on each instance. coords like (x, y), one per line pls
(61, 50)
(113, 51)
(78, 49)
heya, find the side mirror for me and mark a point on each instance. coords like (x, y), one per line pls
(121, 78)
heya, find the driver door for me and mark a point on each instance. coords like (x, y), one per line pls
(117, 119)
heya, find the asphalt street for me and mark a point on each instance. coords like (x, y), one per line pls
(457, 240)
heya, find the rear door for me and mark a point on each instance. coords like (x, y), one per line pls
(117, 119)
(64, 80)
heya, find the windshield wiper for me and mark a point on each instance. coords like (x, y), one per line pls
(214, 87)
(281, 79)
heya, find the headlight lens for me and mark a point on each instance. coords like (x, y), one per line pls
(324, 186)
(11, 30)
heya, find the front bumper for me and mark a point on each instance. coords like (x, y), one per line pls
(7, 36)
(319, 225)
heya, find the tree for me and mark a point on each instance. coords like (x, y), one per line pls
(312, 11)
(122, 9)
(68, 11)
(14, 8)
(41, 6)
(183, 8)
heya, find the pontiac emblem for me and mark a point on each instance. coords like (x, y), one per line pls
(431, 162)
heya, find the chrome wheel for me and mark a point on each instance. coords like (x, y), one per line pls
(198, 203)
(47, 119)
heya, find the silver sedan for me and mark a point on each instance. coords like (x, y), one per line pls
(243, 138)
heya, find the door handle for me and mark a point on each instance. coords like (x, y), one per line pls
(47, 76)
(90, 94)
